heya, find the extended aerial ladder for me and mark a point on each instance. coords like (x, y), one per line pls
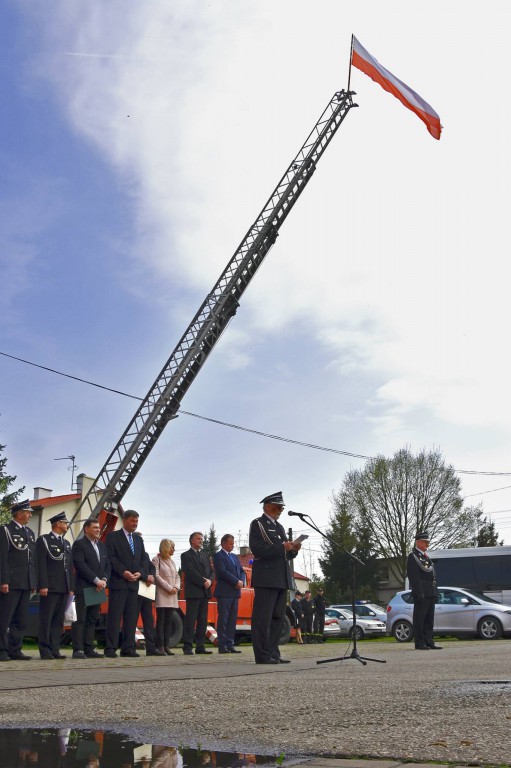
(163, 400)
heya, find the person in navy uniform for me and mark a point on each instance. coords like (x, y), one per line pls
(17, 580)
(92, 569)
(421, 576)
(199, 574)
(55, 582)
(230, 578)
(271, 578)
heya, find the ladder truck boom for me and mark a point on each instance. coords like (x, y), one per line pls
(163, 400)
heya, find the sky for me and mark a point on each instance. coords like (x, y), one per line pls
(138, 143)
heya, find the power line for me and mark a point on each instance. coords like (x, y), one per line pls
(268, 435)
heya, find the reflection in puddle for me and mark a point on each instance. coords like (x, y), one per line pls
(70, 748)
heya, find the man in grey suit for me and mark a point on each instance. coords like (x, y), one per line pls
(196, 566)
(230, 578)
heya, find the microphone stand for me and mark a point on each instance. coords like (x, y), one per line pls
(354, 560)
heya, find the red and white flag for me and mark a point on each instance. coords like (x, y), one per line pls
(363, 60)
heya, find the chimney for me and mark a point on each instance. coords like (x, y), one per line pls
(41, 493)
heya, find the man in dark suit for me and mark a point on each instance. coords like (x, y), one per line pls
(92, 568)
(55, 582)
(230, 578)
(421, 575)
(196, 566)
(18, 579)
(127, 557)
(271, 579)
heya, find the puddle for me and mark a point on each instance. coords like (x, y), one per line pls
(70, 748)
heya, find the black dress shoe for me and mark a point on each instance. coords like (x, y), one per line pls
(110, 654)
(46, 656)
(79, 655)
(93, 655)
(21, 656)
(156, 652)
(168, 652)
(59, 656)
(233, 650)
(283, 661)
(422, 647)
(130, 654)
(223, 650)
(435, 647)
(269, 661)
(188, 653)
(4, 656)
(202, 651)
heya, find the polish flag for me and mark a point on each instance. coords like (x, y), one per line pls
(363, 60)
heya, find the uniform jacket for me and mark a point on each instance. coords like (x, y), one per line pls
(122, 559)
(308, 607)
(17, 557)
(196, 567)
(320, 603)
(228, 571)
(54, 564)
(86, 563)
(421, 574)
(297, 608)
(166, 578)
(270, 567)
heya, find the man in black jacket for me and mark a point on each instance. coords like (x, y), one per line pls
(421, 575)
(92, 569)
(308, 615)
(271, 578)
(320, 603)
(127, 556)
(55, 582)
(196, 566)
(18, 579)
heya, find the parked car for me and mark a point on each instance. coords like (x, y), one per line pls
(458, 612)
(366, 610)
(339, 623)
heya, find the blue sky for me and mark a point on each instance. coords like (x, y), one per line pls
(139, 141)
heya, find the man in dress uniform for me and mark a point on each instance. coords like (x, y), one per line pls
(92, 572)
(421, 575)
(17, 580)
(55, 582)
(320, 603)
(196, 566)
(271, 578)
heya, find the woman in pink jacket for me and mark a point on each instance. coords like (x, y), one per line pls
(167, 589)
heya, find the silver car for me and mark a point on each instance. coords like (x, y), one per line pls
(365, 610)
(458, 612)
(339, 623)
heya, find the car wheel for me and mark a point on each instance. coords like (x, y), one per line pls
(489, 628)
(359, 632)
(402, 631)
(176, 629)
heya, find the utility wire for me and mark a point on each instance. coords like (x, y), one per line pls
(268, 435)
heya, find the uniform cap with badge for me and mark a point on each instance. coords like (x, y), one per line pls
(21, 506)
(59, 518)
(422, 536)
(274, 498)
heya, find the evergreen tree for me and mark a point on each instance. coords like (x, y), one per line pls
(210, 544)
(488, 536)
(6, 499)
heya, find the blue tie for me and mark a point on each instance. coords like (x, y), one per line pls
(132, 545)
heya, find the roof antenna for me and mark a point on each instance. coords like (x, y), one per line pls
(70, 469)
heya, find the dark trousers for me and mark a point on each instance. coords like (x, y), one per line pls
(51, 622)
(267, 616)
(226, 625)
(145, 609)
(83, 629)
(13, 620)
(319, 625)
(423, 620)
(163, 627)
(122, 604)
(196, 623)
(308, 621)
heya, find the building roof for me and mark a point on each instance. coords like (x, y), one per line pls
(52, 501)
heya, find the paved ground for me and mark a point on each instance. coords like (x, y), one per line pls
(451, 706)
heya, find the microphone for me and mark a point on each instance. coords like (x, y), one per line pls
(297, 514)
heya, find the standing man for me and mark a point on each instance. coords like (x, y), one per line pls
(196, 566)
(421, 575)
(230, 578)
(308, 616)
(271, 579)
(127, 557)
(320, 602)
(55, 582)
(18, 579)
(92, 572)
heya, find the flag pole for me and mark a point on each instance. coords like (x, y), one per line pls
(351, 57)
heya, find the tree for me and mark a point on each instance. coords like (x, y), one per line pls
(210, 542)
(337, 566)
(7, 499)
(395, 498)
(487, 535)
